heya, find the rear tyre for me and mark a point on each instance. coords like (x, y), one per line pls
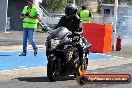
(76, 56)
(85, 61)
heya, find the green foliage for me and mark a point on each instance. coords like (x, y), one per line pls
(99, 5)
(59, 5)
(54, 5)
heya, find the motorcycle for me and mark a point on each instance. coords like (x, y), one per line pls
(63, 55)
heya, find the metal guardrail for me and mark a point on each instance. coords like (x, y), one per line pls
(45, 12)
(124, 27)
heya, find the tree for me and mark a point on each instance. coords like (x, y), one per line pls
(54, 5)
(99, 5)
(59, 5)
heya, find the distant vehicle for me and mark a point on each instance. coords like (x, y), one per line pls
(52, 20)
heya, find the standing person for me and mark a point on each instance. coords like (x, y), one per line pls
(85, 15)
(30, 19)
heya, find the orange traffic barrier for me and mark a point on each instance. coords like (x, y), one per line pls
(99, 35)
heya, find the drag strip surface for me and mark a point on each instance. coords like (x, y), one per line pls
(12, 60)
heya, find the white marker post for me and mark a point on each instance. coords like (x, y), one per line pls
(6, 8)
(74, 2)
(114, 24)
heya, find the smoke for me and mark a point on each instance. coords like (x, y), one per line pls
(124, 27)
(124, 24)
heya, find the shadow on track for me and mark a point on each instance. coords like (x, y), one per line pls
(43, 79)
(33, 79)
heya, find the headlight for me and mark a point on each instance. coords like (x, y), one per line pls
(54, 42)
(65, 46)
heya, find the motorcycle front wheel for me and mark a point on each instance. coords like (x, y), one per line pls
(51, 72)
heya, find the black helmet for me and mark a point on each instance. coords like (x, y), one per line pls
(71, 9)
(83, 7)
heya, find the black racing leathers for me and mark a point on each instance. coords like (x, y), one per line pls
(74, 25)
(71, 23)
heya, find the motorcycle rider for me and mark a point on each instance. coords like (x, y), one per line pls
(73, 23)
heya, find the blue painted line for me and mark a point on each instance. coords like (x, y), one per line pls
(99, 56)
(12, 60)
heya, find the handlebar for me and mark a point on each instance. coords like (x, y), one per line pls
(78, 33)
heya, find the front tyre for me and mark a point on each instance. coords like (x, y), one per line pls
(51, 71)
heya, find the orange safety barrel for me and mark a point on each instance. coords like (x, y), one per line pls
(99, 35)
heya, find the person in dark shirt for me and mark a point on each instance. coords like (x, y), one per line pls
(73, 23)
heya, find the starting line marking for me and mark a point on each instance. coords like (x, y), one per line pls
(12, 60)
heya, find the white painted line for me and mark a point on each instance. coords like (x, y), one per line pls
(22, 66)
(103, 59)
(120, 57)
(21, 69)
(115, 56)
(4, 38)
(20, 50)
(12, 51)
(109, 55)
